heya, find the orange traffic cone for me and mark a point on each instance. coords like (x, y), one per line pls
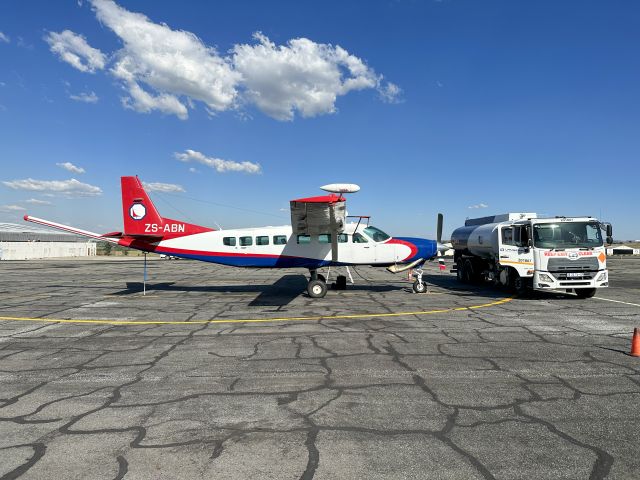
(635, 343)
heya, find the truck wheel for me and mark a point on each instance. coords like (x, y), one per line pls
(469, 275)
(585, 292)
(519, 284)
(460, 272)
(317, 289)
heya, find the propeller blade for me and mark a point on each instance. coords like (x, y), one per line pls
(440, 222)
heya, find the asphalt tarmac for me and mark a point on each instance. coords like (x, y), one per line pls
(372, 382)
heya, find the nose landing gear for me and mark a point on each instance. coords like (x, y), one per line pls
(419, 286)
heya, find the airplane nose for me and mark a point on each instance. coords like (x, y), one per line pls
(427, 248)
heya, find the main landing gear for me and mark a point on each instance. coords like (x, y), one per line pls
(317, 286)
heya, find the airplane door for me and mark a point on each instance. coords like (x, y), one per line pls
(364, 250)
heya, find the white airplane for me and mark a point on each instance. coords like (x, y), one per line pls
(318, 237)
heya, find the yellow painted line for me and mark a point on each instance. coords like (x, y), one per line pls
(516, 263)
(256, 320)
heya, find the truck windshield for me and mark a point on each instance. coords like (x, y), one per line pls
(376, 234)
(567, 235)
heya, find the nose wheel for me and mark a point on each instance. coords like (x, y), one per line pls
(419, 286)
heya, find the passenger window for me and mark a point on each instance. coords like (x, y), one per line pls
(246, 241)
(507, 236)
(324, 238)
(229, 241)
(262, 240)
(279, 239)
(358, 238)
(343, 238)
(304, 239)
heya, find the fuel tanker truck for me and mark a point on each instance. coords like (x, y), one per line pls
(522, 251)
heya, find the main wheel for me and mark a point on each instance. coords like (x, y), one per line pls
(585, 292)
(419, 287)
(317, 289)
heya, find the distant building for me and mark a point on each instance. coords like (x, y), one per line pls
(623, 250)
(24, 242)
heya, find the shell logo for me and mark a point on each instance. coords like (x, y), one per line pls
(137, 211)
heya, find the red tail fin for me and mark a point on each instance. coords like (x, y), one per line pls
(138, 210)
(141, 217)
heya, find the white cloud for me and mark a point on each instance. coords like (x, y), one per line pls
(74, 49)
(193, 170)
(71, 187)
(71, 167)
(90, 97)
(171, 62)
(167, 70)
(162, 187)
(479, 205)
(221, 166)
(302, 76)
(12, 208)
(35, 201)
(390, 92)
(4, 38)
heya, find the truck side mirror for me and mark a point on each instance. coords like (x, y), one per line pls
(530, 243)
(609, 240)
(609, 232)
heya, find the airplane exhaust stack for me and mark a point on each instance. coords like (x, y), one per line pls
(401, 268)
(635, 343)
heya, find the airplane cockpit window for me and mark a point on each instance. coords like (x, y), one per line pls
(359, 238)
(246, 241)
(262, 240)
(229, 241)
(279, 239)
(324, 238)
(304, 239)
(343, 238)
(376, 234)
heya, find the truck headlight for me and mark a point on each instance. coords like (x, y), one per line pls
(602, 277)
(545, 278)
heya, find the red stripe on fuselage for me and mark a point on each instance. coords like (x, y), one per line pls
(397, 241)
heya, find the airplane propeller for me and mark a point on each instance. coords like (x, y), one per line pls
(441, 247)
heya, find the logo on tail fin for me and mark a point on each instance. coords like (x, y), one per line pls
(137, 211)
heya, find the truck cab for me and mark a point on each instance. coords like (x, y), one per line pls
(569, 253)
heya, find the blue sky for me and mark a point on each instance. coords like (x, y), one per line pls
(428, 105)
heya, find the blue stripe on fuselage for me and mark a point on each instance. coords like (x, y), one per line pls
(260, 262)
(426, 248)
